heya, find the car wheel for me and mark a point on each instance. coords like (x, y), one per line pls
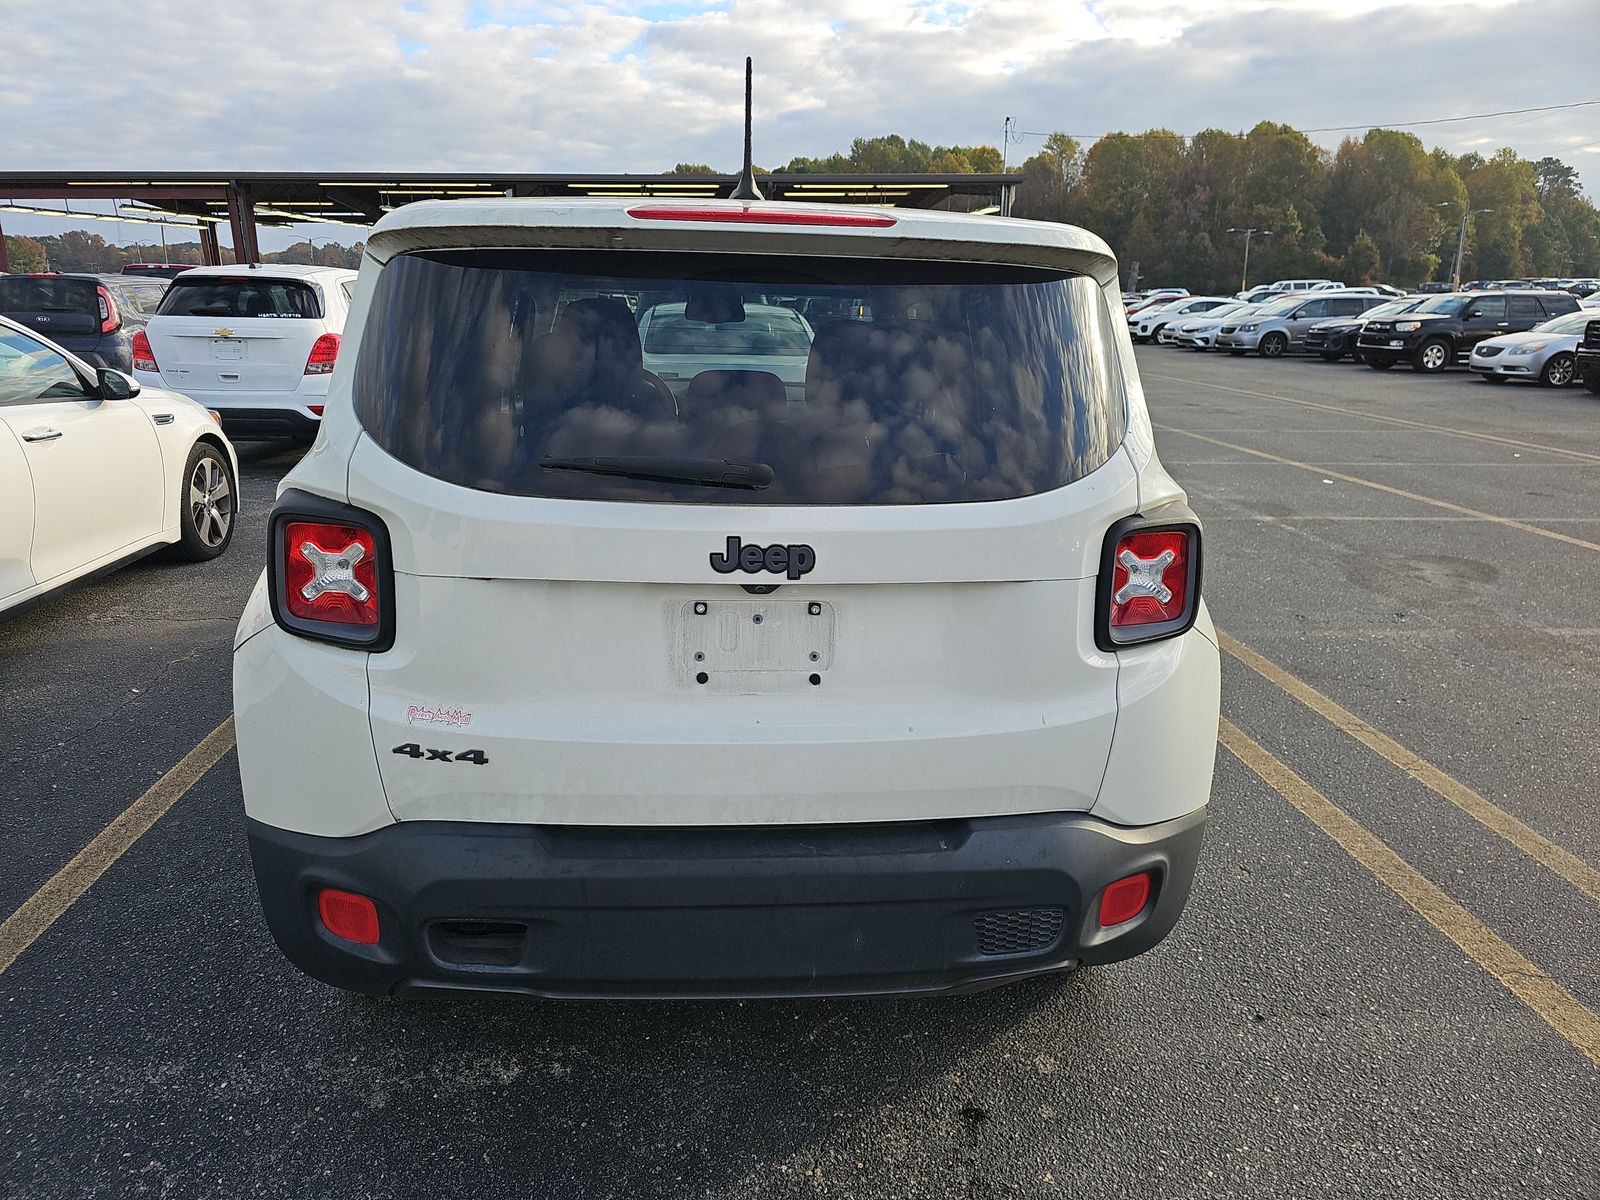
(1331, 356)
(1432, 356)
(1559, 371)
(1273, 345)
(1380, 364)
(206, 504)
(1592, 382)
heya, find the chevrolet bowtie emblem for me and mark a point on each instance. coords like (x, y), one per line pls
(223, 333)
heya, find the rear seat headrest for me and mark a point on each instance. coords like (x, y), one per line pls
(761, 391)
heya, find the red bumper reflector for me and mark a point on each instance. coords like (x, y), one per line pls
(349, 916)
(315, 409)
(1124, 900)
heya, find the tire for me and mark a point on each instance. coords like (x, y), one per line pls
(1274, 345)
(1380, 364)
(1433, 356)
(1559, 371)
(1592, 382)
(207, 504)
(1331, 356)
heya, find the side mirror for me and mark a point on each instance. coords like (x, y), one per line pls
(114, 385)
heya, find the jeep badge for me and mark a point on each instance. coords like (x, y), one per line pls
(793, 560)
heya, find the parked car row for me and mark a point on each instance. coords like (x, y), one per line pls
(1501, 335)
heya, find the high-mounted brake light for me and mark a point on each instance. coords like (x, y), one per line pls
(323, 354)
(778, 215)
(144, 358)
(110, 319)
(1149, 579)
(328, 572)
(349, 916)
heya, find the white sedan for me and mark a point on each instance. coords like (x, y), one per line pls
(95, 471)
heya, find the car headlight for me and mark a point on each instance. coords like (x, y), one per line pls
(1248, 328)
(1407, 326)
(1529, 348)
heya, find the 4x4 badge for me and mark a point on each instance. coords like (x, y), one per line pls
(792, 559)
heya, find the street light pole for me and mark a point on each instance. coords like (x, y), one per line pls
(1244, 275)
(1461, 241)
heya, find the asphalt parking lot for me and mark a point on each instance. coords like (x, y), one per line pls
(1386, 984)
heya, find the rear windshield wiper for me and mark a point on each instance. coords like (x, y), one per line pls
(711, 472)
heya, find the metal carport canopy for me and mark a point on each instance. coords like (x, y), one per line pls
(244, 200)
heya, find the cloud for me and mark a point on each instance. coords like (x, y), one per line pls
(606, 85)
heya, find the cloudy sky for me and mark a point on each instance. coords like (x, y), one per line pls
(630, 85)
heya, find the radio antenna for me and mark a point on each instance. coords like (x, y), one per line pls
(747, 189)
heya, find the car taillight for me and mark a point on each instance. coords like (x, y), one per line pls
(329, 573)
(110, 319)
(144, 358)
(323, 354)
(1149, 584)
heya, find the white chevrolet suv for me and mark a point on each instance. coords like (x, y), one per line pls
(564, 681)
(257, 344)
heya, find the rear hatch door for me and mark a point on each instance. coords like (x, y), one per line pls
(897, 626)
(247, 333)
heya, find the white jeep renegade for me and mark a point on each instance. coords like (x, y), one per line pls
(567, 679)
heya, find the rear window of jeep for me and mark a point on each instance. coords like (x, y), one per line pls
(524, 372)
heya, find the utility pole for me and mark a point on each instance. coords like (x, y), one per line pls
(1244, 275)
(1461, 240)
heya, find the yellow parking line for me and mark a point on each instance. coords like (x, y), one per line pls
(41, 910)
(1559, 1008)
(1532, 843)
(1329, 473)
(1356, 412)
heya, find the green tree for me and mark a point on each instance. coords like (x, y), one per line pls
(1362, 262)
(26, 254)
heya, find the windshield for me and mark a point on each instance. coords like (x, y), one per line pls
(1392, 308)
(1448, 304)
(1572, 322)
(1282, 304)
(523, 372)
(765, 332)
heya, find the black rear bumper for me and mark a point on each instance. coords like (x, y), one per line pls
(267, 423)
(762, 911)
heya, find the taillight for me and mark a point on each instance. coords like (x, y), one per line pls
(329, 573)
(349, 916)
(144, 358)
(323, 354)
(110, 319)
(1149, 579)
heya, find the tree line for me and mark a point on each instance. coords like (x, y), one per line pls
(79, 251)
(1380, 208)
